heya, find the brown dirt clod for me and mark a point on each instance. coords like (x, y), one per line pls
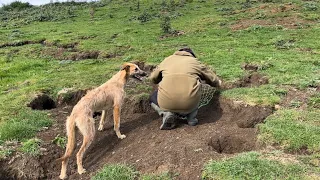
(70, 97)
(253, 79)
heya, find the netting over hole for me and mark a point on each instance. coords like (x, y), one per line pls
(207, 93)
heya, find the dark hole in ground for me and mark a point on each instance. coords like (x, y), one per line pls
(233, 142)
(42, 102)
(236, 124)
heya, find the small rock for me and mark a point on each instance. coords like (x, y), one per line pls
(43, 149)
(277, 106)
(198, 150)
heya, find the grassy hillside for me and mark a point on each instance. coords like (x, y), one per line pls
(80, 45)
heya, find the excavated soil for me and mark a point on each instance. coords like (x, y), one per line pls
(224, 128)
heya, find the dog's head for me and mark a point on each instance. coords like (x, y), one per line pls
(133, 71)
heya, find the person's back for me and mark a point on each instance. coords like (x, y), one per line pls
(179, 88)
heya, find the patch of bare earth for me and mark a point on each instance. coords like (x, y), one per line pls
(253, 78)
(172, 34)
(70, 52)
(292, 21)
(272, 8)
(21, 43)
(296, 98)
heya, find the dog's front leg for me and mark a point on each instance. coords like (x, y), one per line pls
(103, 118)
(116, 118)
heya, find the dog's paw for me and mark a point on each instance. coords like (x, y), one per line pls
(82, 171)
(63, 176)
(100, 128)
(122, 136)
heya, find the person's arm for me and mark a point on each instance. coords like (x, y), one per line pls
(156, 75)
(209, 77)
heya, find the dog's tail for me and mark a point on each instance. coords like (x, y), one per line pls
(71, 125)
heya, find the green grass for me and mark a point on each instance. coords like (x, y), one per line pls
(163, 176)
(31, 147)
(293, 130)
(60, 141)
(263, 95)
(4, 153)
(251, 166)
(125, 172)
(23, 125)
(116, 172)
(314, 101)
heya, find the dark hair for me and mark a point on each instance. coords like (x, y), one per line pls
(189, 50)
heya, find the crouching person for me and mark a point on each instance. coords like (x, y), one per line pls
(179, 77)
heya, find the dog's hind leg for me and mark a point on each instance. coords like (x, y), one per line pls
(70, 125)
(88, 131)
(103, 118)
(116, 119)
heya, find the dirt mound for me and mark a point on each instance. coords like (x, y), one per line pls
(22, 167)
(252, 79)
(70, 96)
(174, 33)
(224, 127)
(21, 43)
(299, 99)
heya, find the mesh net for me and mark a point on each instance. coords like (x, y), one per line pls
(207, 93)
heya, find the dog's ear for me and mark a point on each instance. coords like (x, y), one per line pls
(125, 67)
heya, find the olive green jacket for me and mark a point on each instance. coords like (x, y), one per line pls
(179, 78)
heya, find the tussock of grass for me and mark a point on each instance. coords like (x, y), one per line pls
(293, 130)
(314, 101)
(4, 153)
(60, 141)
(250, 166)
(125, 172)
(32, 147)
(116, 172)
(163, 176)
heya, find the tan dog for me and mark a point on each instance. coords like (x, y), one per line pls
(98, 99)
